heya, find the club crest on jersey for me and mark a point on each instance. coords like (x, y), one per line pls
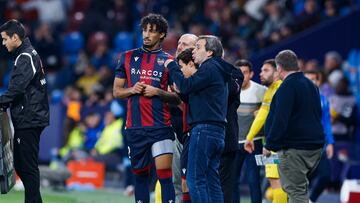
(160, 61)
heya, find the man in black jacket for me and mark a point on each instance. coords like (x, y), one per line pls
(227, 164)
(28, 102)
(208, 92)
(293, 127)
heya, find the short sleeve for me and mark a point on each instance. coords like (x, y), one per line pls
(120, 71)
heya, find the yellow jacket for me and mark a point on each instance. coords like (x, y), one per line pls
(111, 138)
(263, 112)
(75, 141)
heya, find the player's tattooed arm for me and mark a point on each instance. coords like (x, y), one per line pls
(170, 97)
(166, 96)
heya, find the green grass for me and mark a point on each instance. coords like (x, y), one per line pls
(98, 196)
(50, 196)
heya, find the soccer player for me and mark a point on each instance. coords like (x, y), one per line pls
(142, 78)
(269, 78)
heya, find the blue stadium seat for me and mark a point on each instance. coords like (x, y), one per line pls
(139, 40)
(73, 43)
(56, 96)
(123, 41)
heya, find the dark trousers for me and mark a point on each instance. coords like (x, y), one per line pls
(252, 173)
(227, 176)
(320, 178)
(26, 152)
(206, 146)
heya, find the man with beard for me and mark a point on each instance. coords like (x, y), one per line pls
(148, 127)
(269, 78)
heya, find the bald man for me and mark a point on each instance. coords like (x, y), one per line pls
(185, 41)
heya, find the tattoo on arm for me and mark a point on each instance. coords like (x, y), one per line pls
(170, 97)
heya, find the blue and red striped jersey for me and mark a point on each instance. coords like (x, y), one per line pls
(140, 65)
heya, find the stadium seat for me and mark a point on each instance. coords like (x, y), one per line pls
(138, 35)
(95, 39)
(73, 43)
(139, 40)
(123, 41)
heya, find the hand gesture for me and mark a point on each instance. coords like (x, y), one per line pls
(138, 88)
(249, 146)
(150, 91)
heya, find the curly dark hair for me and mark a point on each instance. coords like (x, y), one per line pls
(155, 19)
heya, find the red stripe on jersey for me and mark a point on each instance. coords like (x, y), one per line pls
(146, 110)
(128, 78)
(166, 108)
(129, 115)
(167, 115)
(185, 108)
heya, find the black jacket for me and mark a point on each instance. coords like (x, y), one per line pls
(294, 120)
(207, 90)
(232, 126)
(27, 92)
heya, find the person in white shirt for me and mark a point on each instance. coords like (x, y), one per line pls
(251, 97)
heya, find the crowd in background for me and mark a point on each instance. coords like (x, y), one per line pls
(91, 33)
(79, 41)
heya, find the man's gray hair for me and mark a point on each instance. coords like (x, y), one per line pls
(287, 60)
(212, 44)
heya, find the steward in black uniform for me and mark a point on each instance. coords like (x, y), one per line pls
(28, 102)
